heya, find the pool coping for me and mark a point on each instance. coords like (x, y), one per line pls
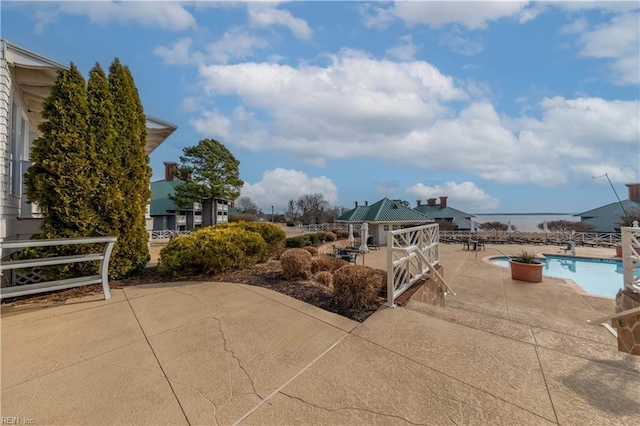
(572, 284)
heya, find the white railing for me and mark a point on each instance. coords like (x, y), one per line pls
(580, 238)
(329, 227)
(181, 219)
(412, 253)
(631, 257)
(197, 219)
(630, 271)
(23, 290)
(167, 233)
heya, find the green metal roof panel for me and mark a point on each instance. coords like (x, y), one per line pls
(462, 222)
(607, 218)
(163, 188)
(384, 210)
(161, 207)
(442, 213)
(354, 215)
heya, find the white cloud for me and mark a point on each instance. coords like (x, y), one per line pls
(235, 43)
(618, 41)
(267, 14)
(605, 5)
(375, 17)
(459, 44)
(278, 186)
(404, 49)
(166, 15)
(464, 195)
(472, 15)
(576, 27)
(409, 113)
(179, 53)
(190, 104)
(213, 124)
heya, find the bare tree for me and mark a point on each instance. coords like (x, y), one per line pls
(628, 218)
(332, 213)
(566, 226)
(495, 226)
(312, 207)
(292, 212)
(247, 205)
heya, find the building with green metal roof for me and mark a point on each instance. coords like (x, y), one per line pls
(382, 216)
(460, 220)
(166, 215)
(607, 218)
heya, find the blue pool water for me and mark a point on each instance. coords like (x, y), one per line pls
(602, 277)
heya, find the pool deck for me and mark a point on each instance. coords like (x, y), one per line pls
(501, 352)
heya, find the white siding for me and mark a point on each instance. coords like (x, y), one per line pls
(8, 205)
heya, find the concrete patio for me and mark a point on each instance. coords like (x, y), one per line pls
(502, 352)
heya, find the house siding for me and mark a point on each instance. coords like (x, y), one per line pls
(10, 205)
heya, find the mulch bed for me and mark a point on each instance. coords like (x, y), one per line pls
(267, 275)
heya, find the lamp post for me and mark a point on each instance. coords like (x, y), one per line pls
(272, 218)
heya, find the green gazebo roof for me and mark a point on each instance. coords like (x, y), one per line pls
(384, 210)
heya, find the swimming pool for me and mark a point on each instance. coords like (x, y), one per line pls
(602, 277)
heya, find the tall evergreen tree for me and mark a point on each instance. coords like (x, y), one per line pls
(208, 171)
(108, 201)
(61, 180)
(130, 140)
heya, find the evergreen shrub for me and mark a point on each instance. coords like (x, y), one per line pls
(210, 250)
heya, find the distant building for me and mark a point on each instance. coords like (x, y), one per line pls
(383, 216)
(460, 220)
(607, 218)
(166, 215)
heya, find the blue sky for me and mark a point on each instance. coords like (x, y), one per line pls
(501, 106)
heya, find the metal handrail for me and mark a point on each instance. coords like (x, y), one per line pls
(22, 290)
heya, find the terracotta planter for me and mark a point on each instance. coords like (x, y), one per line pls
(529, 272)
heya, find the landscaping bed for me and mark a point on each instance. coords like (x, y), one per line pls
(267, 275)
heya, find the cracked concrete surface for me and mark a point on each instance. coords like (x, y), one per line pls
(222, 354)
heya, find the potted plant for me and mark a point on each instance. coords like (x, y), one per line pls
(525, 267)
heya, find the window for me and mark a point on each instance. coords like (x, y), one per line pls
(386, 227)
(396, 227)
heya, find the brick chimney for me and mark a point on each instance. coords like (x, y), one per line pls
(366, 203)
(431, 202)
(443, 202)
(634, 191)
(170, 170)
(356, 204)
(419, 202)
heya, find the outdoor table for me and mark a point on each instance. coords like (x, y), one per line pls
(472, 243)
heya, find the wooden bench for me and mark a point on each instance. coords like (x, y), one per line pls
(23, 290)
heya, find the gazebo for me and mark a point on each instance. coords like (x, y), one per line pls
(382, 216)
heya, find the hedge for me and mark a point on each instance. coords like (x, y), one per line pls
(212, 250)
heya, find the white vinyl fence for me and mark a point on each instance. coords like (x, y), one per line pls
(412, 254)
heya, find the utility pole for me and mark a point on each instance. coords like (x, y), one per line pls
(272, 218)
